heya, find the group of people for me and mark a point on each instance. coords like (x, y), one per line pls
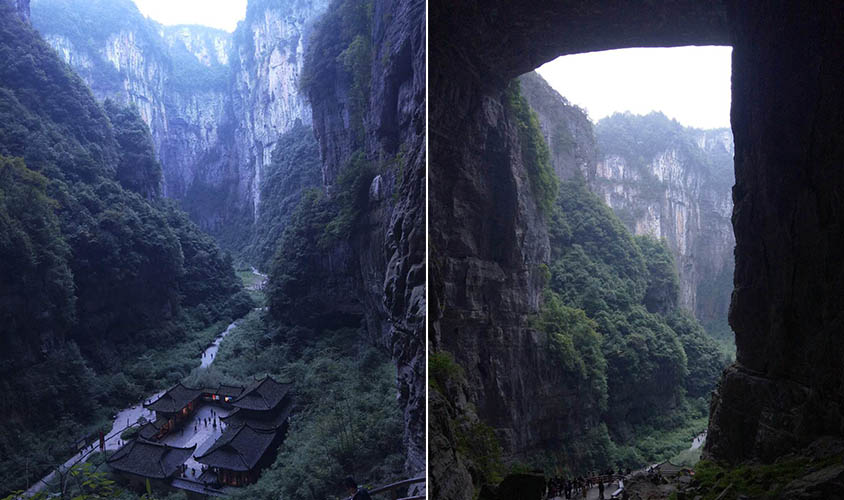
(213, 420)
(184, 470)
(579, 486)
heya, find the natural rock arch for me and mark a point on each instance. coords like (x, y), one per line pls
(787, 387)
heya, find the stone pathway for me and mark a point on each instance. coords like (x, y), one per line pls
(203, 437)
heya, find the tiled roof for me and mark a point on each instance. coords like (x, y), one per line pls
(264, 394)
(176, 398)
(150, 429)
(230, 390)
(149, 459)
(259, 420)
(238, 448)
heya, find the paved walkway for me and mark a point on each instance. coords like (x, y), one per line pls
(203, 437)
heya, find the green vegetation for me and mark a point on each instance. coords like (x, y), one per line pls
(535, 154)
(639, 140)
(637, 362)
(347, 420)
(477, 442)
(108, 293)
(442, 369)
(351, 193)
(341, 49)
(138, 169)
(758, 481)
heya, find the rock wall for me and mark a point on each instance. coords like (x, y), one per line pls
(389, 255)
(266, 65)
(215, 102)
(22, 8)
(488, 240)
(787, 386)
(682, 193)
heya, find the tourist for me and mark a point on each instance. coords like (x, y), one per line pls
(600, 489)
(353, 490)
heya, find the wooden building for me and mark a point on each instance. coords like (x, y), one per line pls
(174, 406)
(222, 393)
(254, 430)
(239, 454)
(139, 460)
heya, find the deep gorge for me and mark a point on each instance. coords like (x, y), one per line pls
(236, 141)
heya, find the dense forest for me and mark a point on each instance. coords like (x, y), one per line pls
(106, 287)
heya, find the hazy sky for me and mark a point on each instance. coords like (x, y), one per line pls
(222, 14)
(689, 84)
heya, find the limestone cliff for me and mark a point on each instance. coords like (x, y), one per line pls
(662, 180)
(215, 102)
(677, 188)
(370, 114)
(266, 64)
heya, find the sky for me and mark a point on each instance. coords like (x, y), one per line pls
(689, 84)
(222, 14)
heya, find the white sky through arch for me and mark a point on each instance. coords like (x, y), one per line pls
(221, 14)
(689, 84)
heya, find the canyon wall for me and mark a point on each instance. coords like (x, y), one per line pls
(662, 180)
(369, 119)
(215, 102)
(489, 239)
(786, 387)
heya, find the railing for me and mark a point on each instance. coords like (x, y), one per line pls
(395, 486)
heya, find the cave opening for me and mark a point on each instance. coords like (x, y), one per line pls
(641, 144)
(784, 390)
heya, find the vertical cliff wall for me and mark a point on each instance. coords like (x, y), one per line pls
(367, 91)
(216, 102)
(266, 64)
(787, 384)
(662, 180)
(674, 183)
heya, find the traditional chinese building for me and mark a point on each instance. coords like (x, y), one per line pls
(240, 453)
(222, 393)
(254, 430)
(174, 406)
(140, 460)
(265, 404)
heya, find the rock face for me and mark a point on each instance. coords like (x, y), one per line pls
(266, 103)
(568, 132)
(786, 387)
(677, 189)
(215, 102)
(22, 9)
(787, 115)
(681, 193)
(388, 267)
